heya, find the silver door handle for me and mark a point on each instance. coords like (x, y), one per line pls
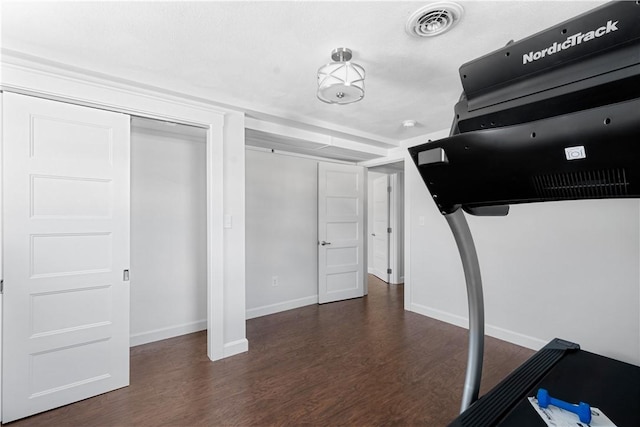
(325, 243)
(373, 234)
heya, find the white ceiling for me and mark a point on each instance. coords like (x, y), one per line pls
(262, 57)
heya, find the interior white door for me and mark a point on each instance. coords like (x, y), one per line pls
(380, 233)
(65, 246)
(341, 215)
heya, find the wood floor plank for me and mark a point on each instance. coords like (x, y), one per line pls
(358, 362)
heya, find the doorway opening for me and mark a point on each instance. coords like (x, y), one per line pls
(385, 224)
(168, 230)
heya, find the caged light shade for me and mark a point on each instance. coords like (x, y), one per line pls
(340, 82)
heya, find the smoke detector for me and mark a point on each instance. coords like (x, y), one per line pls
(434, 19)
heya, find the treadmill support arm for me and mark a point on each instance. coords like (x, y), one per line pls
(464, 240)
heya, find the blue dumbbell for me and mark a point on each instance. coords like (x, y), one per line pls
(582, 410)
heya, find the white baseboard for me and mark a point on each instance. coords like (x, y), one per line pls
(515, 337)
(281, 306)
(444, 316)
(168, 332)
(236, 347)
(490, 330)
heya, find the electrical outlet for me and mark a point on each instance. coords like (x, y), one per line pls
(274, 281)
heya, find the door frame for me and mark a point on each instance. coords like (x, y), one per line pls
(396, 210)
(398, 155)
(396, 219)
(1, 247)
(66, 84)
(371, 221)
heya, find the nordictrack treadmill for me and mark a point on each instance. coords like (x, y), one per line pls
(553, 117)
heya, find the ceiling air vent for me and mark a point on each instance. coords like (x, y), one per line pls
(434, 19)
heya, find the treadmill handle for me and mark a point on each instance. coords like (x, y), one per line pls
(460, 229)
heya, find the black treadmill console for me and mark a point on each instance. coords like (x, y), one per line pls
(555, 116)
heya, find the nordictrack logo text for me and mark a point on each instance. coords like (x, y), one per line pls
(570, 42)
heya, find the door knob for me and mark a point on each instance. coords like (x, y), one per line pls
(325, 243)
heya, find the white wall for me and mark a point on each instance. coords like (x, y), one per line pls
(562, 269)
(168, 234)
(281, 232)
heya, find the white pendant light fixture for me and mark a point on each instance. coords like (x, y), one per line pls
(340, 82)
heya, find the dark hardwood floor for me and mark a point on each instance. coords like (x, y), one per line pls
(358, 362)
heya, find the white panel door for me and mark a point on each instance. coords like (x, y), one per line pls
(380, 234)
(341, 202)
(65, 246)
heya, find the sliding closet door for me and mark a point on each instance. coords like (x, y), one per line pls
(65, 246)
